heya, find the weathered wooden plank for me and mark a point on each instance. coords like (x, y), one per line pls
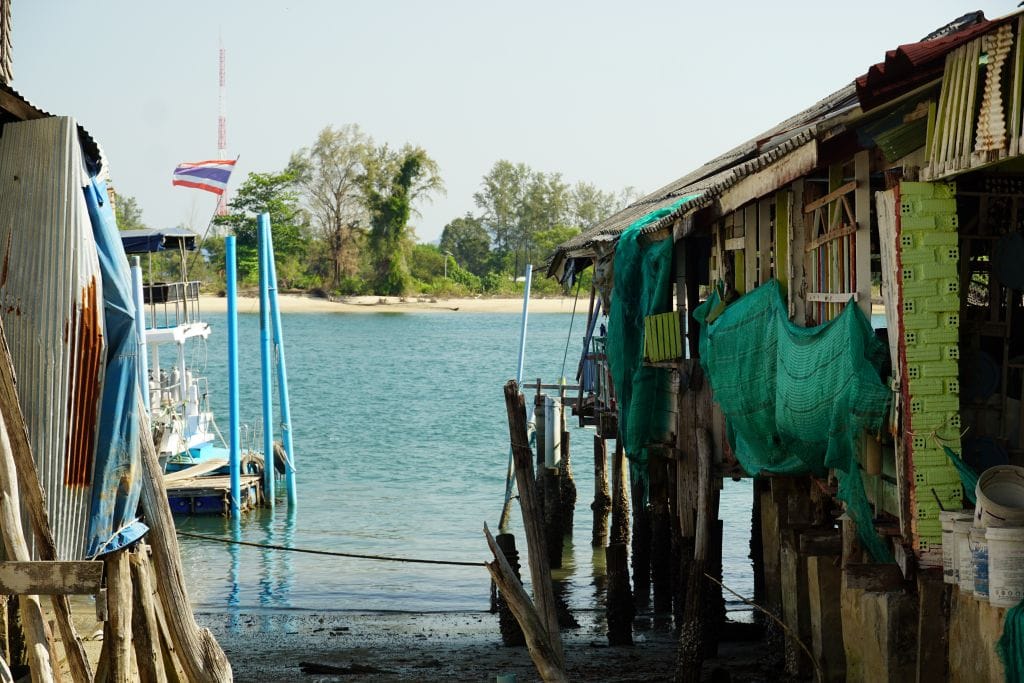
(145, 632)
(1015, 90)
(829, 236)
(750, 246)
(119, 597)
(797, 255)
(971, 65)
(735, 244)
(764, 241)
(872, 577)
(796, 164)
(821, 542)
(831, 196)
(50, 578)
(195, 470)
(832, 297)
(862, 204)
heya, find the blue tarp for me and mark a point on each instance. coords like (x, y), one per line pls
(148, 241)
(113, 523)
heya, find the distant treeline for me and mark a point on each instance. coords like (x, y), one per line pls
(340, 214)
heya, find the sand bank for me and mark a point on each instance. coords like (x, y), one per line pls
(296, 303)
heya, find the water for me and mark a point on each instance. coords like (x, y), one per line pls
(401, 443)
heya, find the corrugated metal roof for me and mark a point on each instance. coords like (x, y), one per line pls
(15, 107)
(51, 306)
(711, 179)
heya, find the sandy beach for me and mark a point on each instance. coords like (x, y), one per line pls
(298, 303)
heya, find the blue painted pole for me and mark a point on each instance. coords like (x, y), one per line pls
(266, 361)
(235, 450)
(506, 508)
(140, 330)
(282, 373)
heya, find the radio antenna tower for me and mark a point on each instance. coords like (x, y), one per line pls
(222, 122)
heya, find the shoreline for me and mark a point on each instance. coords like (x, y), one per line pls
(300, 303)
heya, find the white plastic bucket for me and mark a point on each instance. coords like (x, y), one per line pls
(1000, 494)
(949, 560)
(965, 563)
(979, 562)
(1005, 565)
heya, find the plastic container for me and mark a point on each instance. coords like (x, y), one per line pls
(1005, 565)
(949, 559)
(965, 563)
(979, 562)
(1000, 494)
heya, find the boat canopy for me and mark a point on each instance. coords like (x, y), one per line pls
(148, 241)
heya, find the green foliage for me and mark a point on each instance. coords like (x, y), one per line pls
(276, 194)
(128, 213)
(394, 180)
(468, 241)
(426, 262)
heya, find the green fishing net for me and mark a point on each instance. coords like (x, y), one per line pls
(1011, 644)
(641, 288)
(968, 477)
(796, 399)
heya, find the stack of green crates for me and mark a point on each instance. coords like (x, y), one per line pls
(930, 296)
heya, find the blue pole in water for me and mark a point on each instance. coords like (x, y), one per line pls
(510, 474)
(234, 455)
(282, 373)
(263, 223)
(140, 330)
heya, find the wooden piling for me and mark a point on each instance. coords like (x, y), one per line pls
(39, 648)
(119, 611)
(641, 555)
(199, 652)
(566, 485)
(620, 601)
(145, 632)
(549, 487)
(661, 537)
(602, 504)
(540, 570)
(511, 632)
(695, 619)
(620, 496)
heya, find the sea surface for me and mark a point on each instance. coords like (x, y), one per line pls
(401, 447)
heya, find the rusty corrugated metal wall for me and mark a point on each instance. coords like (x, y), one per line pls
(51, 307)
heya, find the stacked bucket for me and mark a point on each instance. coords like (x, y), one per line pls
(983, 551)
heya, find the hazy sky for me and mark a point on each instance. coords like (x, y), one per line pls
(615, 93)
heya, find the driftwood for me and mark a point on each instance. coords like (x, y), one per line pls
(540, 572)
(119, 616)
(145, 633)
(31, 492)
(40, 649)
(198, 651)
(550, 663)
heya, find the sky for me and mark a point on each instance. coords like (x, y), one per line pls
(618, 94)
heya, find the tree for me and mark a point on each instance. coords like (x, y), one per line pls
(331, 176)
(501, 196)
(127, 213)
(274, 193)
(394, 181)
(589, 205)
(468, 241)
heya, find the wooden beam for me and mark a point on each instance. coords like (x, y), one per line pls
(862, 200)
(832, 297)
(119, 596)
(797, 256)
(831, 196)
(750, 247)
(764, 241)
(844, 231)
(18, 108)
(821, 542)
(735, 244)
(145, 632)
(878, 578)
(51, 578)
(796, 164)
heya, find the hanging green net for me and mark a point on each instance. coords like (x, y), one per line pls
(1011, 644)
(968, 477)
(641, 288)
(796, 399)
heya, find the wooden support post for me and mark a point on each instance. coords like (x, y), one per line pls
(795, 605)
(692, 631)
(540, 570)
(620, 497)
(862, 204)
(932, 627)
(661, 536)
(824, 581)
(641, 555)
(548, 483)
(620, 602)
(145, 632)
(119, 606)
(200, 655)
(548, 658)
(567, 484)
(511, 631)
(32, 500)
(602, 504)
(38, 645)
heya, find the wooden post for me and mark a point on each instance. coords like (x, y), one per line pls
(511, 631)
(540, 571)
(548, 485)
(31, 493)
(602, 504)
(567, 484)
(145, 632)
(40, 649)
(620, 499)
(661, 535)
(119, 606)
(548, 658)
(691, 633)
(620, 602)
(201, 656)
(641, 556)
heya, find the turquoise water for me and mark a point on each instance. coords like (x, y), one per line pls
(401, 444)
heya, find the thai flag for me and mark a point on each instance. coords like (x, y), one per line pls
(211, 176)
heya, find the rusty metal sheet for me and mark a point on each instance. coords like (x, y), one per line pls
(51, 308)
